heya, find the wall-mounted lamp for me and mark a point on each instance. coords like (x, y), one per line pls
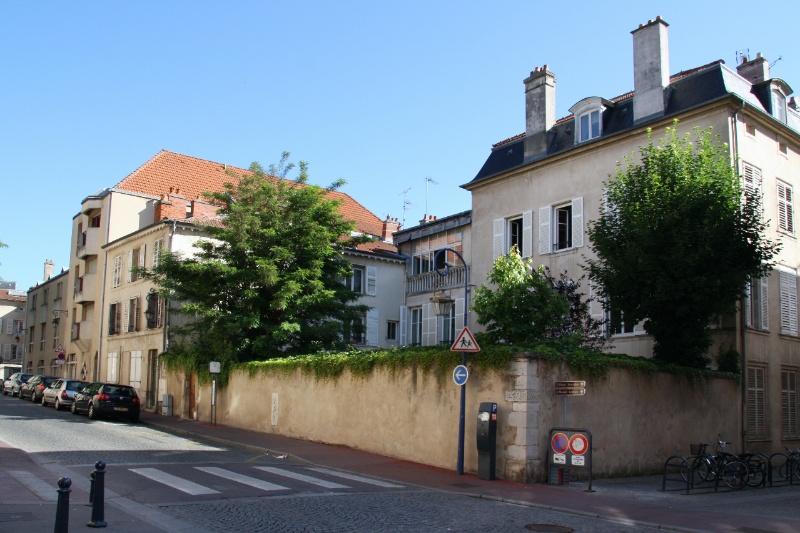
(441, 303)
(20, 330)
(55, 316)
(150, 312)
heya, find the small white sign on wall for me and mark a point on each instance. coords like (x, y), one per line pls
(274, 408)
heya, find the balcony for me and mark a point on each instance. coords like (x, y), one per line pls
(85, 288)
(431, 281)
(88, 243)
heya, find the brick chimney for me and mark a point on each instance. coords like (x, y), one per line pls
(390, 225)
(650, 69)
(540, 110)
(754, 71)
(427, 219)
(49, 267)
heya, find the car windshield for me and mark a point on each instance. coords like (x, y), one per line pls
(120, 391)
(75, 385)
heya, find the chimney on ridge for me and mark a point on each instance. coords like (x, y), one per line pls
(540, 111)
(49, 267)
(650, 69)
(390, 225)
(754, 71)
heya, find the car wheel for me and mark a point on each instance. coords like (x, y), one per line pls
(92, 414)
(57, 405)
(74, 408)
(44, 402)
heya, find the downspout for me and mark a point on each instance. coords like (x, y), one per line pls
(742, 313)
(103, 292)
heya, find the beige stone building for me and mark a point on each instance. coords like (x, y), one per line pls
(12, 325)
(538, 190)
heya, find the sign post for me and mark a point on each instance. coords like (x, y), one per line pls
(567, 389)
(214, 369)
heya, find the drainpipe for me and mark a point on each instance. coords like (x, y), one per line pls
(742, 314)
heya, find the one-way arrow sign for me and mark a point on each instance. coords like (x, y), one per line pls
(460, 375)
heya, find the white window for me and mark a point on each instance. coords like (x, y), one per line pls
(588, 115)
(785, 208)
(355, 282)
(355, 331)
(788, 281)
(789, 427)
(416, 326)
(136, 262)
(425, 248)
(513, 231)
(448, 329)
(157, 246)
(136, 369)
(133, 314)
(114, 318)
(757, 306)
(589, 126)
(756, 403)
(391, 330)
(751, 177)
(778, 105)
(117, 278)
(561, 226)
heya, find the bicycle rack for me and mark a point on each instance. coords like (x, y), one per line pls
(674, 465)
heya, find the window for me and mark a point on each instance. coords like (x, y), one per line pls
(31, 331)
(41, 335)
(757, 306)
(114, 318)
(117, 279)
(785, 209)
(752, 180)
(416, 326)
(788, 288)
(356, 280)
(155, 311)
(615, 322)
(391, 330)
(95, 222)
(789, 428)
(157, 246)
(561, 226)
(514, 231)
(515, 234)
(133, 314)
(33, 302)
(589, 126)
(58, 291)
(424, 250)
(778, 105)
(354, 331)
(135, 263)
(449, 328)
(756, 404)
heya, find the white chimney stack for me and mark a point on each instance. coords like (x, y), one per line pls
(48, 269)
(650, 69)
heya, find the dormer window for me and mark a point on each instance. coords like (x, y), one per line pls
(779, 105)
(589, 118)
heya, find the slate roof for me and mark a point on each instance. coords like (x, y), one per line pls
(177, 174)
(687, 89)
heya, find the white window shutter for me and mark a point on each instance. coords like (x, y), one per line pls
(1, 324)
(764, 303)
(498, 240)
(459, 315)
(372, 280)
(156, 250)
(126, 310)
(545, 241)
(403, 325)
(428, 326)
(748, 307)
(136, 369)
(373, 325)
(111, 374)
(527, 234)
(141, 256)
(9, 326)
(788, 292)
(130, 265)
(577, 222)
(596, 311)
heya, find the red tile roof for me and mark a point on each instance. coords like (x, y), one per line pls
(168, 173)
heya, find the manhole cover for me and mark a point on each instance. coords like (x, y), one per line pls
(549, 528)
(17, 517)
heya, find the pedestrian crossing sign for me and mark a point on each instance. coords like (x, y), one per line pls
(465, 342)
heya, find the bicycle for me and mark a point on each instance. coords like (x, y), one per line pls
(727, 466)
(701, 464)
(791, 467)
(756, 468)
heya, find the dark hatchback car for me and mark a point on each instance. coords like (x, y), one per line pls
(107, 400)
(34, 387)
(13, 383)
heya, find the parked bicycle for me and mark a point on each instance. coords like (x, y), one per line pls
(731, 470)
(791, 466)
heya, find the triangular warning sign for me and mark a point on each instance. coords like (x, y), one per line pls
(465, 342)
(59, 348)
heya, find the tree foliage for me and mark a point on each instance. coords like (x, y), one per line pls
(529, 305)
(268, 280)
(677, 239)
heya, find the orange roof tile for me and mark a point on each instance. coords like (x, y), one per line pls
(169, 173)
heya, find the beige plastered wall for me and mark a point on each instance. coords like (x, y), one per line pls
(636, 421)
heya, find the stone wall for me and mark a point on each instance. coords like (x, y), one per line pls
(636, 421)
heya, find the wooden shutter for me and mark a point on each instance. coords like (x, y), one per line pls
(545, 240)
(373, 326)
(372, 280)
(788, 290)
(789, 404)
(459, 315)
(764, 303)
(527, 234)
(748, 306)
(429, 323)
(113, 361)
(756, 412)
(130, 265)
(498, 237)
(403, 325)
(136, 369)
(577, 222)
(785, 210)
(126, 312)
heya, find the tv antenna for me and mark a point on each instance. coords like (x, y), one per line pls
(406, 204)
(742, 56)
(428, 181)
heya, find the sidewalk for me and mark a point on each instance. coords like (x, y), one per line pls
(630, 500)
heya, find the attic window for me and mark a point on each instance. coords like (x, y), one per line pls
(589, 118)
(779, 105)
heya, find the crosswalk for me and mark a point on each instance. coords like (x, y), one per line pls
(293, 479)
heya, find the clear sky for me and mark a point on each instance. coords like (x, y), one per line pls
(382, 94)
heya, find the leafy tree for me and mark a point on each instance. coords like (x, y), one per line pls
(676, 242)
(530, 306)
(268, 281)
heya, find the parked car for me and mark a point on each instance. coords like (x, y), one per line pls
(61, 392)
(33, 388)
(12, 384)
(107, 399)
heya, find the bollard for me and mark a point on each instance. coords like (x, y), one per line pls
(97, 495)
(91, 488)
(62, 509)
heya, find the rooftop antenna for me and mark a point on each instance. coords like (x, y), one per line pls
(773, 63)
(406, 203)
(742, 56)
(428, 181)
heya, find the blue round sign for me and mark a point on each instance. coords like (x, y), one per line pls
(460, 375)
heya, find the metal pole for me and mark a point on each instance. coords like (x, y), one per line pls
(461, 418)
(62, 507)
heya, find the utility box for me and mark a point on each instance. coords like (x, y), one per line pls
(166, 405)
(487, 440)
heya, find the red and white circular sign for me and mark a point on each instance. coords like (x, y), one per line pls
(578, 444)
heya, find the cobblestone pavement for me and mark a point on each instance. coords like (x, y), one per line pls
(397, 512)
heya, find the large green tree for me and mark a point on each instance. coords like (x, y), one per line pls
(268, 280)
(677, 240)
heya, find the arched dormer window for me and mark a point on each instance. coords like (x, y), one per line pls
(778, 105)
(589, 118)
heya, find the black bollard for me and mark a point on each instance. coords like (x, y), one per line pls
(91, 488)
(97, 495)
(62, 510)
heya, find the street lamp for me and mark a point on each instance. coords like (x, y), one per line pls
(442, 307)
(55, 316)
(149, 313)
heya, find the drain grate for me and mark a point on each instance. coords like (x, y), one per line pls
(549, 528)
(18, 517)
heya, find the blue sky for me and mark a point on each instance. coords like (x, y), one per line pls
(381, 94)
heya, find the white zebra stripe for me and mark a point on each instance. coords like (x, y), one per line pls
(302, 477)
(183, 485)
(360, 479)
(239, 478)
